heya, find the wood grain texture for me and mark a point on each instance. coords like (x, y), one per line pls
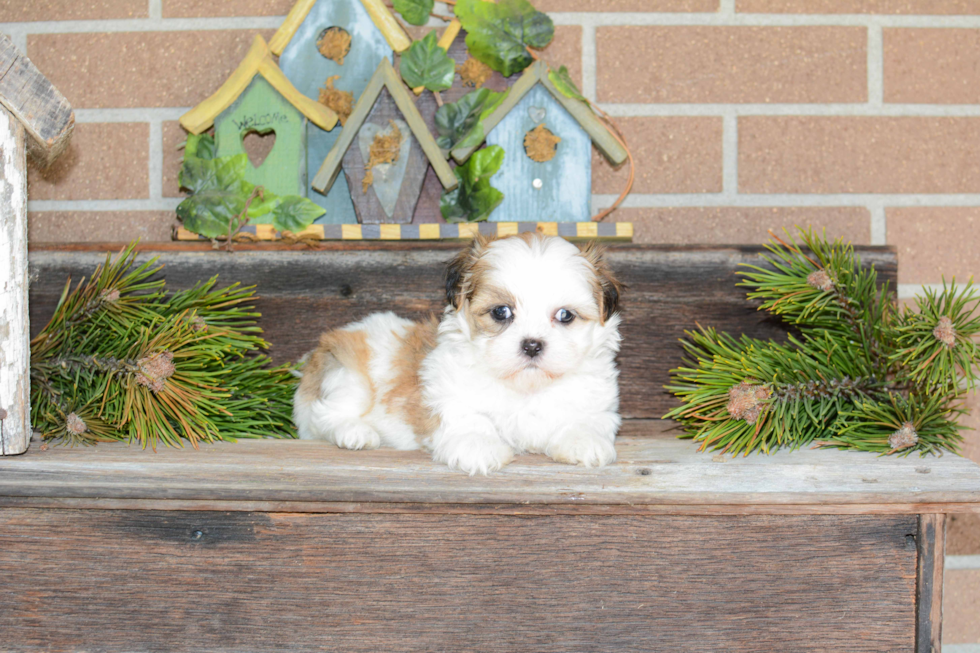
(29, 96)
(653, 469)
(15, 390)
(366, 204)
(303, 293)
(172, 581)
(931, 542)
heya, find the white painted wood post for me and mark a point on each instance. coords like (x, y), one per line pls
(31, 106)
(15, 357)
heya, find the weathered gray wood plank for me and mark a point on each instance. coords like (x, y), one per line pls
(931, 541)
(654, 468)
(30, 97)
(15, 389)
(170, 581)
(302, 293)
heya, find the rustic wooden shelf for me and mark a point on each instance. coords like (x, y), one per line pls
(300, 546)
(656, 474)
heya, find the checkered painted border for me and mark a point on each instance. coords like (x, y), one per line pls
(572, 230)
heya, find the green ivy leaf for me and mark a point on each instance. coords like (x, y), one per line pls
(426, 64)
(474, 199)
(208, 212)
(199, 145)
(295, 213)
(454, 120)
(473, 138)
(563, 82)
(494, 100)
(261, 206)
(226, 172)
(415, 12)
(499, 34)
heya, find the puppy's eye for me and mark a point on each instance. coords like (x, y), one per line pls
(502, 313)
(564, 316)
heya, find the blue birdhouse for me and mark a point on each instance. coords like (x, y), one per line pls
(341, 39)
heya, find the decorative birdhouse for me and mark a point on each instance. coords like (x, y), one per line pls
(329, 49)
(258, 98)
(384, 150)
(547, 136)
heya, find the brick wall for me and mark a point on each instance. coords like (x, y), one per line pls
(860, 116)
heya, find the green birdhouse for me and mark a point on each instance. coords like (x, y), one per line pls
(258, 99)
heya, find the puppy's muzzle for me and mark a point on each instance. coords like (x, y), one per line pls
(532, 348)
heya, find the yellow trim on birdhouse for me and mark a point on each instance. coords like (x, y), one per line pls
(380, 15)
(257, 61)
(452, 31)
(446, 40)
(287, 30)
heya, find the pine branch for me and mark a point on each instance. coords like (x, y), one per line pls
(121, 359)
(861, 375)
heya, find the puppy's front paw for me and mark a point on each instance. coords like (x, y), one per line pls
(477, 453)
(356, 435)
(582, 449)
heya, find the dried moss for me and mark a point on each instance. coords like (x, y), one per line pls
(340, 102)
(384, 149)
(334, 44)
(474, 73)
(540, 144)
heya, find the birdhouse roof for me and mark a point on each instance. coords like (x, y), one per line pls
(257, 61)
(382, 17)
(384, 77)
(536, 74)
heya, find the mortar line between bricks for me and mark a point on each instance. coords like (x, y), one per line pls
(637, 110)
(155, 160)
(879, 224)
(762, 20)
(876, 67)
(729, 154)
(161, 204)
(589, 62)
(155, 9)
(559, 18)
(628, 110)
(961, 648)
(726, 8)
(864, 200)
(963, 561)
(129, 115)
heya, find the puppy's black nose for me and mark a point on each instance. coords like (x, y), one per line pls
(532, 348)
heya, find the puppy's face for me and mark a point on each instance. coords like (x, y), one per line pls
(533, 307)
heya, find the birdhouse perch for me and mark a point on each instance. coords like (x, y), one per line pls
(32, 105)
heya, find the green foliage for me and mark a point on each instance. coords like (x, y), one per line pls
(859, 373)
(474, 199)
(498, 34)
(122, 359)
(563, 82)
(415, 12)
(460, 123)
(426, 64)
(222, 200)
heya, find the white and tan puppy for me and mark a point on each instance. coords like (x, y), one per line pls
(523, 360)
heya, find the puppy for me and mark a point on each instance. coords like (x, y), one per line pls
(522, 360)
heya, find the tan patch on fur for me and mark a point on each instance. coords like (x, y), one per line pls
(337, 348)
(405, 396)
(478, 309)
(605, 287)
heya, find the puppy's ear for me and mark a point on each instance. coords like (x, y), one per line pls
(607, 287)
(459, 272)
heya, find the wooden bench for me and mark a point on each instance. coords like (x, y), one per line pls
(300, 546)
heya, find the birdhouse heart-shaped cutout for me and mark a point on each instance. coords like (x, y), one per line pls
(385, 148)
(258, 146)
(537, 114)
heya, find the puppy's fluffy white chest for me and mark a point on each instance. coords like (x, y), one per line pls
(523, 359)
